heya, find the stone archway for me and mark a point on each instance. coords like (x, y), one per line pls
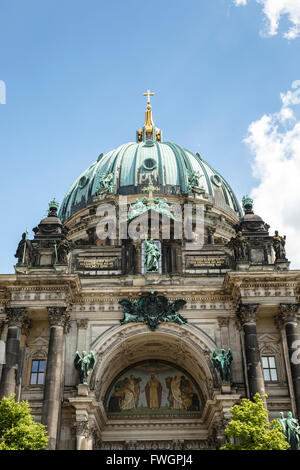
(119, 347)
(187, 347)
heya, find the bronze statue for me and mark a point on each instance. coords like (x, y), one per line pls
(152, 309)
(152, 255)
(24, 251)
(84, 364)
(279, 246)
(291, 429)
(222, 363)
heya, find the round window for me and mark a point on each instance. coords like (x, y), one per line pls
(83, 181)
(149, 164)
(215, 179)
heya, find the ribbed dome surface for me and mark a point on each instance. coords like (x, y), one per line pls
(131, 165)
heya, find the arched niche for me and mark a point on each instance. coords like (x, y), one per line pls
(185, 346)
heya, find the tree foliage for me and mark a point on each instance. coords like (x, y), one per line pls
(250, 428)
(18, 431)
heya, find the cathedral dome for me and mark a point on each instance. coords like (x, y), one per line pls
(131, 164)
(128, 168)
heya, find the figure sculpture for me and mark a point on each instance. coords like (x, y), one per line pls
(291, 429)
(84, 363)
(152, 255)
(25, 252)
(152, 309)
(279, 246)
(239, 246)
(63, 249)
(193, 181)
(222, 363)
(106, 183)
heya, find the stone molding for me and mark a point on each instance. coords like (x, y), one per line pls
(16, 316)
(174, 444)
(247, 313)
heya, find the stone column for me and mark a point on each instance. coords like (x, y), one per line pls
(16, 318)
(247, 317)
(288, 317)
(59, 324)
(3, 335)
(82, 434)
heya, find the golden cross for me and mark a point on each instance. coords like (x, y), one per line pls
(148, 94)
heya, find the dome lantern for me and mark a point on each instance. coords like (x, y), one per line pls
(149, 132)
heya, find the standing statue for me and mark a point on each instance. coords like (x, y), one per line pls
(63, 249)
(222, 363)
(279, 246)
(84, 364)
(24, 251)
(239, 245)
(291, 429)
(193, 181)
(152, 255)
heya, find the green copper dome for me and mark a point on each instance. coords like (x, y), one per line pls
(130, 167)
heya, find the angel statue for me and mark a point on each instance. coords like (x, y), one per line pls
(84, 364)
(222, 363)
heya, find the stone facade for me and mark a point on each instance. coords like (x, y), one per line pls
(236, 293)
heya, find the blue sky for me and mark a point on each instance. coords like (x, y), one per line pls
(75, 73)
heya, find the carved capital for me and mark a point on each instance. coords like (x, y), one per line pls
(58, 316)
(81, 428)
(16, 316)
(288, 313)
(247, 313)
(82, 324)
(223, 321)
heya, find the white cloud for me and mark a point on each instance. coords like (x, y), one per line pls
(274, 140)
(274, 10)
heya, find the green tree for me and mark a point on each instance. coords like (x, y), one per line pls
(251, 429)
(18, 431)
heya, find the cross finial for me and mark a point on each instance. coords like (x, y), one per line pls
(148, 94)
(150, 189)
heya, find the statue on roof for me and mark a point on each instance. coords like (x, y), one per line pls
(279, 246)
(193, 181)
(239, 245)
(25, 252)
(63, 249)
